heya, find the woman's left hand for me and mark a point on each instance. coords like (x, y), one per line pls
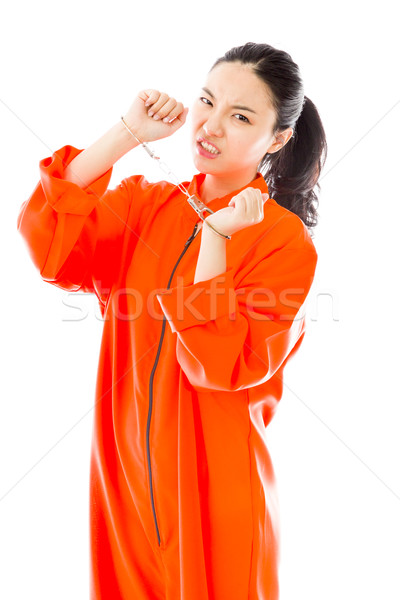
(243, 210)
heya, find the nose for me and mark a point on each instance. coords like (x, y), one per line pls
(213, 126)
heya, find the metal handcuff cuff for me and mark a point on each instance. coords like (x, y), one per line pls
(194, 202)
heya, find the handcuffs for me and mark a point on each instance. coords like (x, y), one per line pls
(198, 206)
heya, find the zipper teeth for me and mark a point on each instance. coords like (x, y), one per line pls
(187, 244)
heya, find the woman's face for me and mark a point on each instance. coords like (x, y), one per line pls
(232, 120)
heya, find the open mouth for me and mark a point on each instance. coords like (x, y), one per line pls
(207, 149)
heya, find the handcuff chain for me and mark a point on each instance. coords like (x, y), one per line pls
(194, 202)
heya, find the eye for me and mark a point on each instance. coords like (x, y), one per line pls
(242, 118)
(205, 100)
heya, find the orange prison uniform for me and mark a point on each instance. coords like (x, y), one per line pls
(183, 499)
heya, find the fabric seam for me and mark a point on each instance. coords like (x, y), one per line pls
(251, 493)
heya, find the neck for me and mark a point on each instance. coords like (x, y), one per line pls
(217, 187)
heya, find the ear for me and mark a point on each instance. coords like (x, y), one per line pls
(280, 140)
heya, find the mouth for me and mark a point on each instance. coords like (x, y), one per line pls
(207, 149)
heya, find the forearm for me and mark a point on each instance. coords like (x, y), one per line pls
(100, 156)
(212, 255)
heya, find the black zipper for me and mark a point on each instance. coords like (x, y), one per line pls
(187, 244)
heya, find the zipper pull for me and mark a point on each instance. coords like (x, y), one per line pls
(193, 234)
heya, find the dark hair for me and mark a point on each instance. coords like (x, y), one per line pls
(292, 172)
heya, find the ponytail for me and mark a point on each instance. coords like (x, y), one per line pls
(292, 173)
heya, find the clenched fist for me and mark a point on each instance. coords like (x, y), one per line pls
(243, 210)
(154, 115)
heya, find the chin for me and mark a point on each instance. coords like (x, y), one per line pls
(207, 170)
(205, 166)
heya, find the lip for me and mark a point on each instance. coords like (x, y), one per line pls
(203, 151)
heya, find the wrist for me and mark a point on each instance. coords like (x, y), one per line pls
(216, 231)
(211, 235)
(126, 134)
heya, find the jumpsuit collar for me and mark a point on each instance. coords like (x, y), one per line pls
(220, 202)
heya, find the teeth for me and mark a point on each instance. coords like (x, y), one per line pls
(209, 148)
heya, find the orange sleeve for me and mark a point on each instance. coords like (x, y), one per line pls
(231, 337)
(74, 234)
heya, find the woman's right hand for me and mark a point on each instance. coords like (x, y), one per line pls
(154, 115)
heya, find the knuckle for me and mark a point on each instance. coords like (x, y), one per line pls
(163, 112)
(153, 96)
(166, 109)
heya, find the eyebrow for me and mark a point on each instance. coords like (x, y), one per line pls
(238, 106)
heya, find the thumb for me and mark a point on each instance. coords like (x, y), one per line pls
(265, 197)
(180, 119)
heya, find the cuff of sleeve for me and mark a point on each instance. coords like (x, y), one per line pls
(65, 196)
(196, 304)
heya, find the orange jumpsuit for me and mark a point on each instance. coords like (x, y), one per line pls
(183, 502)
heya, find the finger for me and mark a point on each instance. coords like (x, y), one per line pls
(163, 99)
(253, 204)
(260, 206)
(246, 198)
(238, 199)
(165, 110)
(258, 198)
(149, 96)
(174, 112)
(180, 119)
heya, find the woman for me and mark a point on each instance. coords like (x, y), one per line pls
(182, 491)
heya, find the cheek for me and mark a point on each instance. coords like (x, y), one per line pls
(245, 149)
(196, 117)
(258, 146)
(242, 145)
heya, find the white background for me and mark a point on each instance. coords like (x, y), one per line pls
(68, 71)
